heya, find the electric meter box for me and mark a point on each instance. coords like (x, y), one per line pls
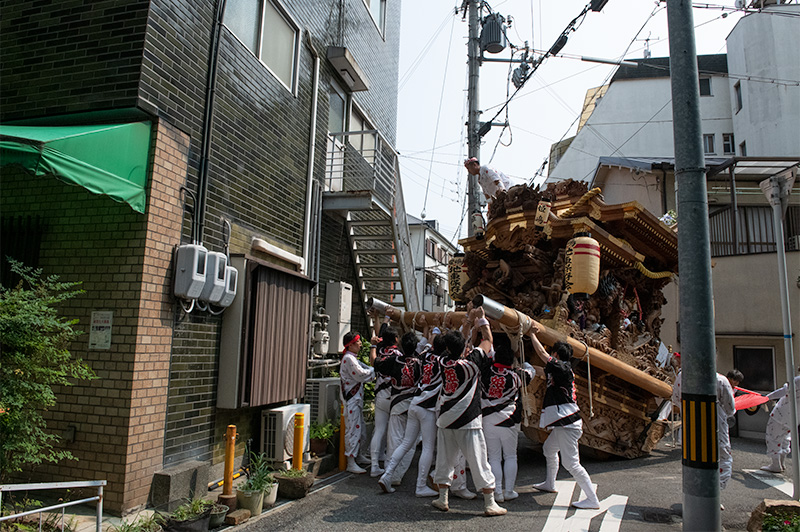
(215, 277)
(228, 295)
(190, 270)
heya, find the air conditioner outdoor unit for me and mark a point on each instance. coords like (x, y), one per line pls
(277, 432)
(793, 244)
(323, 396)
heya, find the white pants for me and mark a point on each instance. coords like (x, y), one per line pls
(472, 444)
(353, 425)
(564, 440)
(397, 432)
(421, 422)
(377, 447)
(501, 449)
(779, 438)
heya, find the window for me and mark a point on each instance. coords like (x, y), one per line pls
(743, 149)
(267, 31)
(757, 364)
(705, 86)
(337, 107)
(728, 146)
(708, 143)
(363, 142)
(377, 8)
(737, 94)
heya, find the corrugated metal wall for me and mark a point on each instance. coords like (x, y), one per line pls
(277, 351)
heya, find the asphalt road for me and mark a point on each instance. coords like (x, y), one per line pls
(642, 494)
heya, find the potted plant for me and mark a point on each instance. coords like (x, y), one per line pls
(218, 512)
(191, 516)
(294, 483)
(320, 435)
(259, 481)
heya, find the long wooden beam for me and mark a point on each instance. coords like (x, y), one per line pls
(511, 319)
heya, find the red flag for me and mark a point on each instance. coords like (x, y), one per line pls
(748, 399)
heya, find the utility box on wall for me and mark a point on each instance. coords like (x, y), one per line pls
(339, 306)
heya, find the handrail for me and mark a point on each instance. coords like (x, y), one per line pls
(99, 484)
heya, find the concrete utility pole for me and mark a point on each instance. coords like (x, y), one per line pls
(473, 119)
(701, 509)
(777, 189)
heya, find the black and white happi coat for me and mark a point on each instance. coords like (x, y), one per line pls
(459, 403)
(500, 394)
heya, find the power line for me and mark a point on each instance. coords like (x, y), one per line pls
(438, 116)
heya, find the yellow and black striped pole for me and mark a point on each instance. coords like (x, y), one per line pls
(699, 431)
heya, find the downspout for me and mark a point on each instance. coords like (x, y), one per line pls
(311, 199)
(312, 136)
(208, 115)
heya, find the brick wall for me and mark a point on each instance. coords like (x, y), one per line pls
(122, 259)
(150, 372)
(65, 57)
(62, 57)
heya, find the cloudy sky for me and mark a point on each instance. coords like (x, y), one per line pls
(433, 81)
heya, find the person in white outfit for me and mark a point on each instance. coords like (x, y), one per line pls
(421, 420)
(402, 367)
(383, 401)
(726, 408)
(491, 180)
(352, 375)
(460, 423)
(561, 416)
(779, 432)
(500, 392)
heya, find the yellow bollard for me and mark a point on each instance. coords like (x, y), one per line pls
(230, 451)
(297, 456)
(342, 458)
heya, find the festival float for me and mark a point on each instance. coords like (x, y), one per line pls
(590, 274)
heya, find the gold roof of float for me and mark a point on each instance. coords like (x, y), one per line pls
(627, 233)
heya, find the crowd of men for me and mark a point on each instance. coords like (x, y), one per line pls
(458, 392)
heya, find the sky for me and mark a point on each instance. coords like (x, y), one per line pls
(431, 135)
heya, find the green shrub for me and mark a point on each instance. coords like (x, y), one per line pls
(322, 431)
(34, 357)
(781, 522)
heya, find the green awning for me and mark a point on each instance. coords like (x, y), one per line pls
(106, 159)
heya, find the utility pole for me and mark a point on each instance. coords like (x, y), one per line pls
(701, 510)
(473, 119)
(778, 188)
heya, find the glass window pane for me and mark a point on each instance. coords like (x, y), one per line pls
(241, 17)
(336, 113)
(278, 44)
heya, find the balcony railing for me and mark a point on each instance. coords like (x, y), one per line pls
(361, 161)
(754, 231)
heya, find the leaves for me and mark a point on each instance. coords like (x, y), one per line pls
(34, 357)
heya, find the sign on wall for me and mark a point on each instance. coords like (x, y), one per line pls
(100, 331)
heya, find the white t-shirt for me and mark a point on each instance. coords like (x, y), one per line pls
(492, 181)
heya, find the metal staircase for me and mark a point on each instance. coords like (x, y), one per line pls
(364, 186)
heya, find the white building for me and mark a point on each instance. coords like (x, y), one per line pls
(750, 110)
(431, 253)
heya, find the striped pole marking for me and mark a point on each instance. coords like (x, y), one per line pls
(699, 431)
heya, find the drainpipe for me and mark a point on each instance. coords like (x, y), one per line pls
(312, 134)
(208, 115)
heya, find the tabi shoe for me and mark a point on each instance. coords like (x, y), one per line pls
(385, 484)
(774, 467)
(590, 503)
(498, 496)
(490, 507)
(353, 467)
(509, 495)
(464, 494)
(376, 471)
(442, 503)
(396, 482)
(425, 491)
(544, 486)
